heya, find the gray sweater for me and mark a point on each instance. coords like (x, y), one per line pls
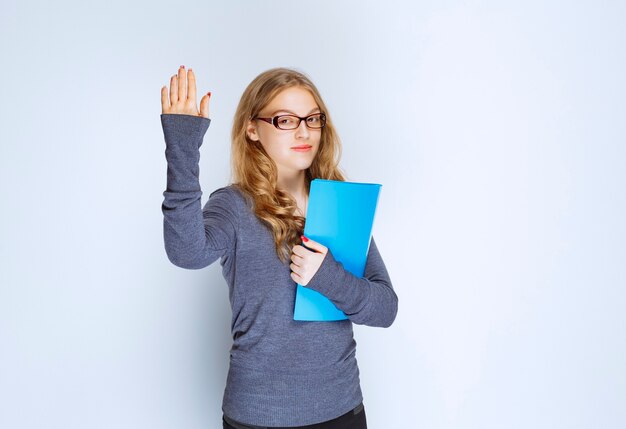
(282, 372)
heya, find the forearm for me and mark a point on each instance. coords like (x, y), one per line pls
(368, 300)
(193, 238)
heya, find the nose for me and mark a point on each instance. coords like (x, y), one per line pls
(302, 129)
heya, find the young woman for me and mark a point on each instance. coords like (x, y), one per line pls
(283, 373)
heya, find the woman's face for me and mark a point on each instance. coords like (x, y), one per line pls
(279, 144)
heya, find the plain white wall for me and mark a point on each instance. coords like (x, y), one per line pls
(497, 130)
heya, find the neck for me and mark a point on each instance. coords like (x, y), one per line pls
(294, 184)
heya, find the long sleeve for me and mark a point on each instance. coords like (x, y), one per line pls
(194, 236)
(369, 300)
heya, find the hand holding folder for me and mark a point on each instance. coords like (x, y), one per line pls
(340, 216)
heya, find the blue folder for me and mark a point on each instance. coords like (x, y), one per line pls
(340, 215)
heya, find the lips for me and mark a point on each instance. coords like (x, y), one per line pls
(304, 146)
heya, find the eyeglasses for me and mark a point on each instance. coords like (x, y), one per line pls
(291, 122)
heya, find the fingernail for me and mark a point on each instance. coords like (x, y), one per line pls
(304, 238)
(182, 67)
(208, 93)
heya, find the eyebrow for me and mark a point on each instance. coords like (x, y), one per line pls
(289, 111)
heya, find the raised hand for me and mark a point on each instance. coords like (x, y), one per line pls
(182, 95)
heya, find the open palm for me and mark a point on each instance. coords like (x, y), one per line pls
(182, 95)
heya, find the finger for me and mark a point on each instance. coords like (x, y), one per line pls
(182, 84)
(204, 105)
(299, 250)
(313, 245)
(295, 269)
(296, 259)
(165, 102)
(191, 86)
(174, 89)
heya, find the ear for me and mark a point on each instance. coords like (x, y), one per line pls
(252, 131)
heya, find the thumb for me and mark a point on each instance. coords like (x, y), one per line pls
(204, 105)
(313, 245)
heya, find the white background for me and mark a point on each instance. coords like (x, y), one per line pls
(497, 130)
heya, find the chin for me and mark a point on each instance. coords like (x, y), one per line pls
(305, 166)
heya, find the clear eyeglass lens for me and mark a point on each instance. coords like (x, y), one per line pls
(289, 122)
(314, 121)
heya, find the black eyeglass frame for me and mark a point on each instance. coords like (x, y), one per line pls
(274, 121)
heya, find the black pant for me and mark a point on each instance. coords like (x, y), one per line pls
(353, 419)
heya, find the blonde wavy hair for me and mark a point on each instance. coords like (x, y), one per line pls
(255, 174)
